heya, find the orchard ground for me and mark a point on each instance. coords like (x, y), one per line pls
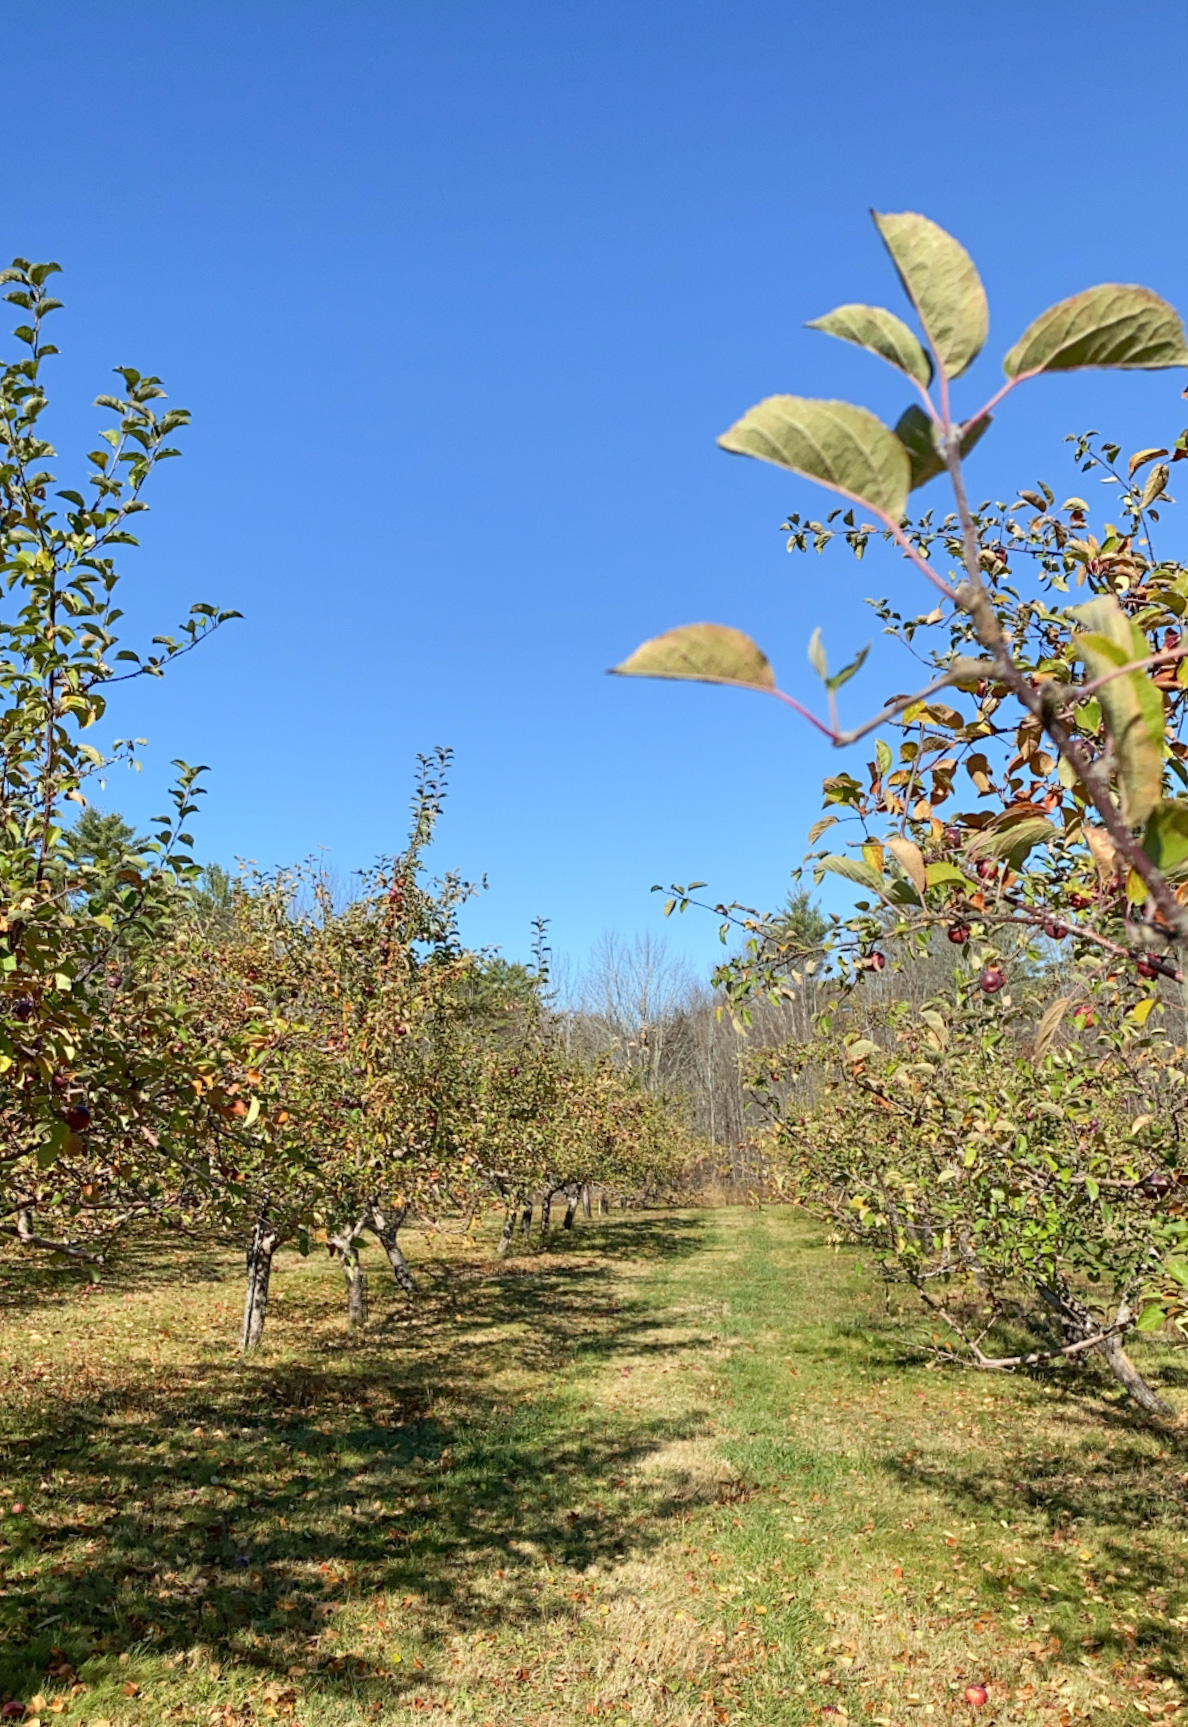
(680, 1468)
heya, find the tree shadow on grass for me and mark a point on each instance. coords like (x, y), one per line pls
(209, 1506)
(1103, 1480)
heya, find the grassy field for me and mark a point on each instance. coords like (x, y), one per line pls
(682, 1470)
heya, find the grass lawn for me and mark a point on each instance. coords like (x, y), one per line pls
(681, 1469)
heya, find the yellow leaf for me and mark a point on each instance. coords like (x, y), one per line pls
(704, 653)
(1049, 1025)
(910, 859)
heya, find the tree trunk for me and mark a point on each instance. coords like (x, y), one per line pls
(603, 1205)
(1131, 1380)
(385, 1226)
(546, 1214)
(571, 1205)
(356, 1280)
(1078, 1323)
(586, 1200)
(509, 1230)
(526, 1219)
(261, 1248)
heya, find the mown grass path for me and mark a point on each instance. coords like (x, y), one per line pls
(681, 1469)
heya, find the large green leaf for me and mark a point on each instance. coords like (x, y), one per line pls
(855, 870)
(942, 284)
(1107, 326)
(1165, 838)
(1131, 704)
(707, 653)
(914, 431)
(1013, 835)
(841, 446)
(880, 331)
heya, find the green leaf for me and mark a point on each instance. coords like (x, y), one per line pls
(1014, 839)
(882, 333)
(1165, 838)
(1133, 707)
(1151, 1318)
(840, 446)
(943, 285)
(944, 874)
(1110, 325)
(914, 430)
(816, 655)
(707, 653)
(847, 672)
(855, 870)
(859, 1050)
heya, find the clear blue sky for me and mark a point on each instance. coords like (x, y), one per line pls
(461, 293)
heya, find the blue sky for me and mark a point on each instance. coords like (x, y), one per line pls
(460, 295)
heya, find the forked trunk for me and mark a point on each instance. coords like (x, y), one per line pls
(261, 1248)
(1131, 1380)
(1079, 1323)
(385, 1226)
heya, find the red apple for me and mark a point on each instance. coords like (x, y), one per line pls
(992, 979)
(975, 1695)
(958, 934)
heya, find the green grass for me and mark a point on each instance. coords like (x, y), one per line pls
(683, 1470)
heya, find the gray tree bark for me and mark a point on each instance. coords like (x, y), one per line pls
(586, 1199)
(261, 1248)
(1079, 1323)
(572, 1197)
(356, 1280)
(507, 1234)
(526, 1218)
(385, 1226)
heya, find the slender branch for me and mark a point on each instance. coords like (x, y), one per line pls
(960, 672)
(999, 395)
(917, 557)
(1165, 657)
(1039, 700)
(27, 1238)
(1005, 1363)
